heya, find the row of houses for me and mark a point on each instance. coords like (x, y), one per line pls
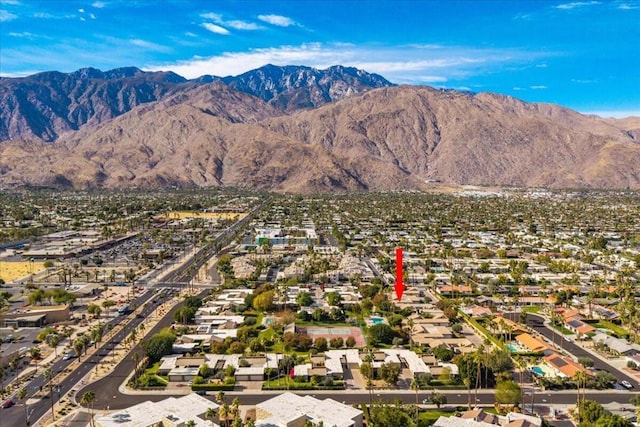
(333, 363)
(284, 410)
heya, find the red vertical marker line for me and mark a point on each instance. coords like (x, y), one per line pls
(399, 285)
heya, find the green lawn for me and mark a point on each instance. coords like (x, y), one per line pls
(266, 334)
(533, 309)
(562, 329)
(153, 369)
(618, 330)
(430, 416)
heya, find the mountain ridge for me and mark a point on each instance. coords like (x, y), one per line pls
(271, 136)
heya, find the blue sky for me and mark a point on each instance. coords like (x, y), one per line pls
(581, 54)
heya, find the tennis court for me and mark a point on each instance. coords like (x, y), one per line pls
(329, 332)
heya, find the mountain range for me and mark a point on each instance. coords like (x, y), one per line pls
(296, 129)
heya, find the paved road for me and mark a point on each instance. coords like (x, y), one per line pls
(537, 323)
(15, 416)
(106, 389)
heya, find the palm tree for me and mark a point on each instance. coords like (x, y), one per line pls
(52, 341)
(635, 401)
(235, 404)
(87, 399)
(415, 386)
(135, 358)
(581, 381)
(478, 358)
(223, 414)
(220, 396)
(210, 413)
(48, 375)
(21, 395)
(467, 383)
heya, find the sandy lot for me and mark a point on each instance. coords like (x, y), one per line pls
(10, 270)
(206, 215)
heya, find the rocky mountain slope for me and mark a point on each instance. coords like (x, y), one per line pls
(292, 88)
(47, 105)
(211, 134)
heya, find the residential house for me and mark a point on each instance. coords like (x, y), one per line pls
(563, 366)
(292, 410)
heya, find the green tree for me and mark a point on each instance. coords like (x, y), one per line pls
(380, 334)
(94, 309)
(444, 354)
(48, 376)
(159, 345)
(390, 372)
(320, 344)
(366, 370)
(388, 415)
(87, 400)
(204, 371)
(304, 299)
(508, 393)
(184, 315)
(333, 298)
(264, 301)
(438, 399)
(210, 414)
(107, 304)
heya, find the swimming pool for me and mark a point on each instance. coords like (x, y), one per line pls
(377, 320)
(537, 370)
(512, 348)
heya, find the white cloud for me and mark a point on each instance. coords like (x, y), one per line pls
(92, 16)
(215, 28)
(81, 10)
(82, 19)
(538, 87)
(235, 24)
(575, 4)
(190, 34)
(45, 15)
(430, 79)
(98, 4)
(615, 114)
(626, 6)
(543, 65)
(11, 2)
(242, 25)
(149, 45)
(278, 20)
(215, 17)
(584, 81)
(28, 35)
(7, 16)
(400, 65)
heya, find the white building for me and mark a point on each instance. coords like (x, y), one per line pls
(291, 410)
(171, 412)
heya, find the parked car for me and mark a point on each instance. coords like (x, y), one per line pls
(68, 356)
(8, 403)
(626, 384)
